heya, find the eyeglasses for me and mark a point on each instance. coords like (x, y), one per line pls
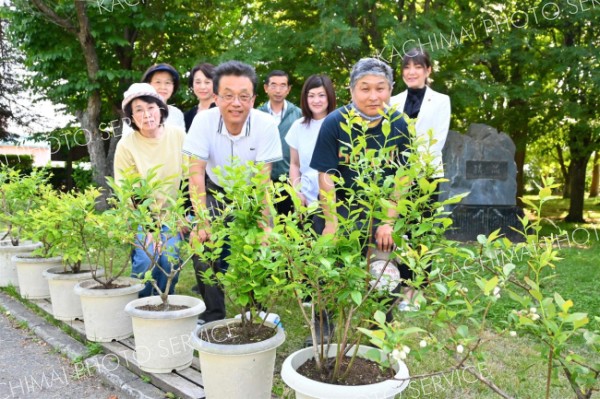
(143, 110)
(162, 82)
(229, 98)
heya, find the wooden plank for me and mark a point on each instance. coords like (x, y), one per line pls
(125, 355)
(128, 342)
(185, 384)
(196, 363)
(191, 375)
(181, 387)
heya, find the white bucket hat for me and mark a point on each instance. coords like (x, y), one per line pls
(139, 90)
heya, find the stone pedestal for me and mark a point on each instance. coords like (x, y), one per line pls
(471, 220)
(481, 162)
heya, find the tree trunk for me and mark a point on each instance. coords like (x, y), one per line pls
(577, 172)
(595, 176)
(89, 119)
(69, 172)
(520, 161)
(564, 170)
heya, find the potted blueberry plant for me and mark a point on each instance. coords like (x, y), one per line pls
(65, 215)
(161, 320)
(337, 273)
(18, 195)
(105, 241)
(253, 282)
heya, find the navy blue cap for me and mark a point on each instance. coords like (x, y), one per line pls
(162, 67)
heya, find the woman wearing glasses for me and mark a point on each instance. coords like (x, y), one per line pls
(165, 81)
(231, 131)
(150, 145)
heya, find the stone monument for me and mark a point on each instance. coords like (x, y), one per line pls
(481, 162)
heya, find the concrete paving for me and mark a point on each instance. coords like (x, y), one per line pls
(40, 361)
(32, 369)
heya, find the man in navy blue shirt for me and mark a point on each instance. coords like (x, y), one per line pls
(371, 86)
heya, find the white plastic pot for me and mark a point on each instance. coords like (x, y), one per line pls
(309, 389)
(236, 371)
(66, 305)
(104, 309)
(30, 272)
(8, 270)
(163, 338)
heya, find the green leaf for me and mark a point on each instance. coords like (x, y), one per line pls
(379, 317)
(536, 294)
(545, 192)
(508, 268)
(373, 355)
(356, 297)
(531, 283)
(490, 285)
(578, 319)
(493, 235)
(441, 288)
(463, 331)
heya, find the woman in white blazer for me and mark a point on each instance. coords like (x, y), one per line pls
(430, 108)
(432, 112)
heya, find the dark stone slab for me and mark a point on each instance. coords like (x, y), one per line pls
(471, 220)
(481, 163)
(487, 170)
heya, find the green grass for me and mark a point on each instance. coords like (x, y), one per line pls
(557, 208)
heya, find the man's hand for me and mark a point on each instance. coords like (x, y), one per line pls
(199, 234)
(383, 237)
(265, 238)
(330, 228)
(303, 199)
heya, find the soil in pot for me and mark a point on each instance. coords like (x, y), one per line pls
(363, 372)
(162, 308)
(71, 272)
(111, 286)
(236, 335)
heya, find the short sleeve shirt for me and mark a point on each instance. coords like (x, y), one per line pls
(303, 138)
(140, 154)
(209, 140)
(332, 145)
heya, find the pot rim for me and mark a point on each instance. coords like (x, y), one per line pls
(196, 306)
(59, 273)
(235, 350)
(293, 379)
(6, 246)
(35, 259)
(86, 288)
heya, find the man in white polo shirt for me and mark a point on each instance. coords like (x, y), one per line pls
(217, 136)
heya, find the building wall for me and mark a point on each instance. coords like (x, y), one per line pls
(41, 155)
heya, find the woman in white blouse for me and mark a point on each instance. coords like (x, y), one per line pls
(432, 112)
(430, 108)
